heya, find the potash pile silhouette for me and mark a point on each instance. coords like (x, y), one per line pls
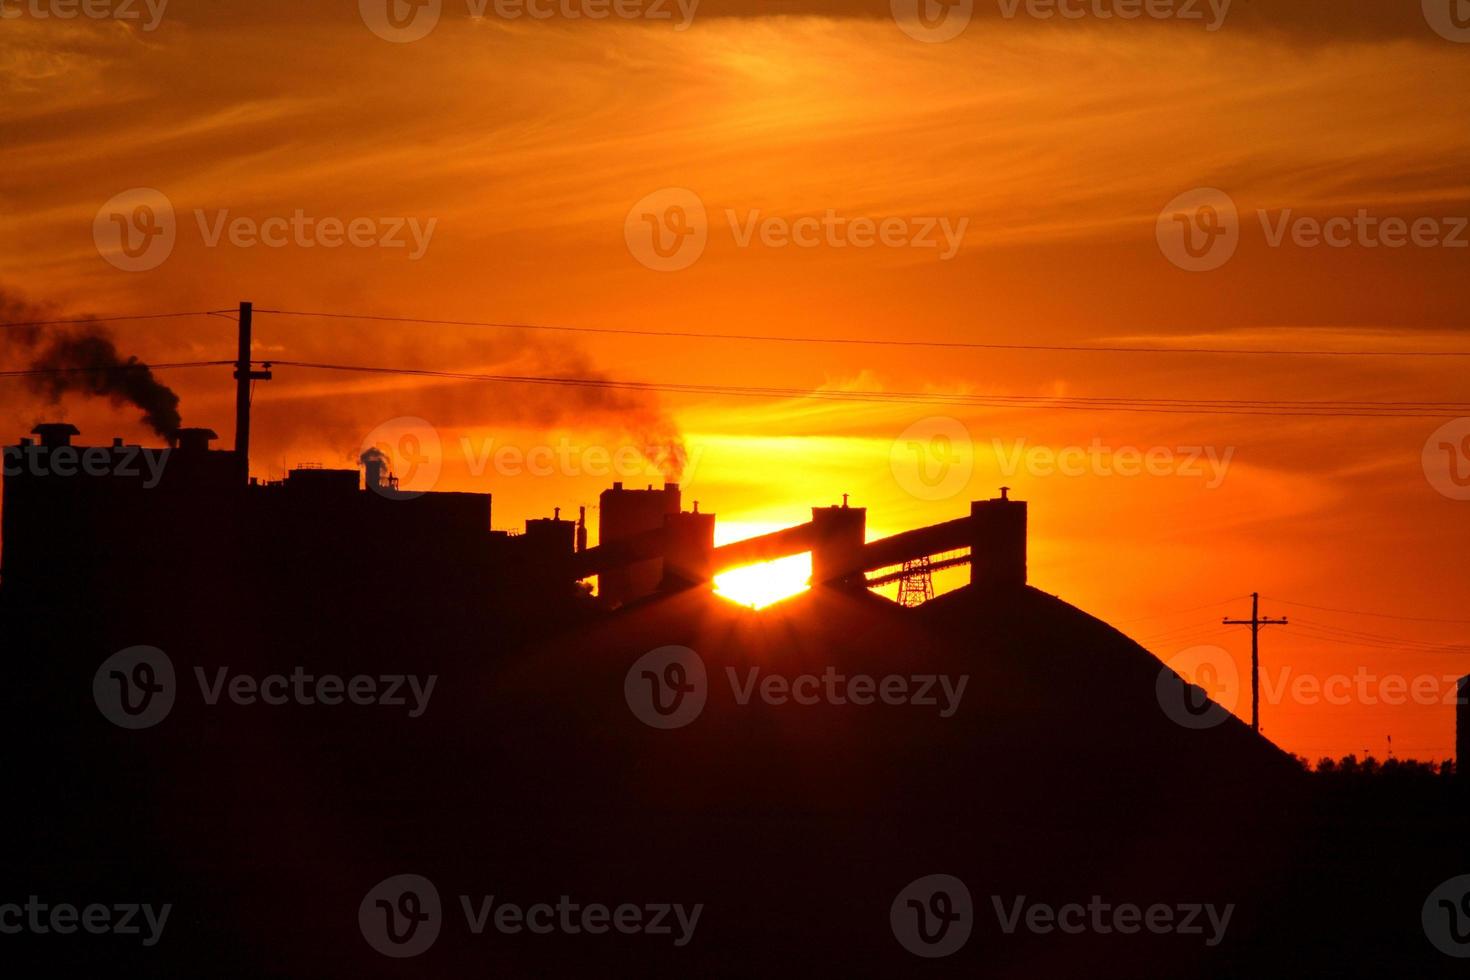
(564, 749)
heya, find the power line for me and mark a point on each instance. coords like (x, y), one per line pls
(107, 319)
(135, 366)
(861, 341)
(1178, 612)
(1359, 612)
(765, 338)
(1427, 646)
(1279, 409)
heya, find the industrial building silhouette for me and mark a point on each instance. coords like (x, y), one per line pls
(55, 511)
(529, 776)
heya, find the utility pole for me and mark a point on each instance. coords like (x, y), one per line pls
(1255, 623)
(243, 378)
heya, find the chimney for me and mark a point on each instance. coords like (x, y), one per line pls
(581, 529)
(55, 434)
(549, 539)
(689, 551)
(838, 533)
(627, 514)
(998, 542)
(376, 472)
(195, 441)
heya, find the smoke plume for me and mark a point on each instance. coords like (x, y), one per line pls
(81, 358)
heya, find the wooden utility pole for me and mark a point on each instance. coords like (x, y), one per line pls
(1255, 623)
(243, 378)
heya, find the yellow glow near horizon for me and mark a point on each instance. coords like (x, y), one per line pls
(760, 585)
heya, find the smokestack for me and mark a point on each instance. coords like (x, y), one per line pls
(689, 551)
(375, 467)
(838, 533)
(998, 542)
(194, 441)
(627, 514)
(581, 529)
(54, 435)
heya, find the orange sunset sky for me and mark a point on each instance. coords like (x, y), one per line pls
(1058, 141)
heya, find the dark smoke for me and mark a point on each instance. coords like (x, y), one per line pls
(663, 446)
(82, 359)
(87, 362)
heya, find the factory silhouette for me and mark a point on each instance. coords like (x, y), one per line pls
(528, 777)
